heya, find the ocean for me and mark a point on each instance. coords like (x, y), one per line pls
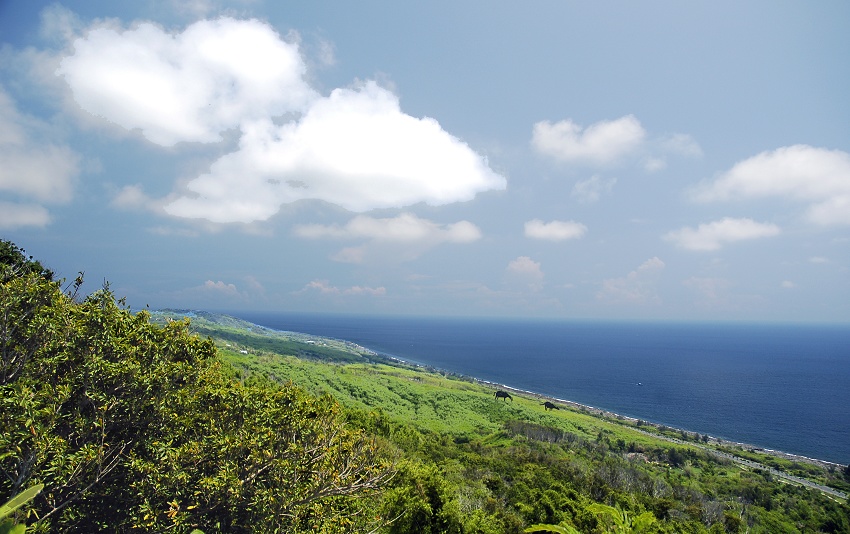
(781, 387)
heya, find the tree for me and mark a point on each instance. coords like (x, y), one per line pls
(129, 425)
(15, 262)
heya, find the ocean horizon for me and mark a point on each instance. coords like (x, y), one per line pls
(774, 386)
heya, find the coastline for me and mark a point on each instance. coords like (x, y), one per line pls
(601, 412)
(612, 416)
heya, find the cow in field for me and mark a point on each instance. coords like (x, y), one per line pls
(549, 406)
(503, 395)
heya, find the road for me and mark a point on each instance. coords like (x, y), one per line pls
(754, 465)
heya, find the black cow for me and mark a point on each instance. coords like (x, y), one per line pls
(503, 395)
(549, 406)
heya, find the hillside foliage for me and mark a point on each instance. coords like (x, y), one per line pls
(132, 426)
(151, 422)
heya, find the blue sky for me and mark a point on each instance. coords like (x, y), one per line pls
(581, 160)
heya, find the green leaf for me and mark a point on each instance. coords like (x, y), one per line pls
(20, 499)
(643, 522)
(552, 528)
(7, 526)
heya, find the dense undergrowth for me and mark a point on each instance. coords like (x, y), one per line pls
(147, 422)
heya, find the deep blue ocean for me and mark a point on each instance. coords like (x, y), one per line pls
(782, 387)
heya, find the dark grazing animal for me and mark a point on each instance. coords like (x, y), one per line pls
(503, 395)
(549, 406)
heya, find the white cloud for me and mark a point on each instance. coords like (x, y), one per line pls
(352, 255)
(40, 172)
(638, 286)
(323, 287)
(681, 145)
(32, 168)
(214, 292)
(787, 284)
(132, 197)
(818, 259)
(607, 143)
(355, 149)
(405, 236)
(714, 235)
(815, 176)
(528, 271)
(554, 230)
(19, 215)
(588, 191)
(189, 86)
(525, 265)
(404, 228)
(604, 142)
(326, 53)
(222, 288)
(59, 23)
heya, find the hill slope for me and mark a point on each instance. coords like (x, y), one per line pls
(499, 465)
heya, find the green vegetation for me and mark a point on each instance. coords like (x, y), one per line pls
(150, 422)
(132, 426)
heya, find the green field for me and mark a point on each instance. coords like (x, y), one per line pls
(501, 464)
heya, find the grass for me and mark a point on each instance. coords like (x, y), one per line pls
(440, 402)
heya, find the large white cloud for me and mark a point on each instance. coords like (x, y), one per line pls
(604, 142)
(355, 149)
(713, 235)
(554, 230)
(188, 86)
(32, 167)
(815, 176)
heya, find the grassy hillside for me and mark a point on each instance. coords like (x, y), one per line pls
(114, 421)
(469, 462)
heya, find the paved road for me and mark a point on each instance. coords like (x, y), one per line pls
(755, 465)
(742, 461)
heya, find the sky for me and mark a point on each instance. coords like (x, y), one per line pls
(614, 160)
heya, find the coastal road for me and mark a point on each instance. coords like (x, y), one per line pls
(754, 465)
(720, 454)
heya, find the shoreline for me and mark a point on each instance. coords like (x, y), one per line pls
(366, 351)
(826, 464)
(609, 415)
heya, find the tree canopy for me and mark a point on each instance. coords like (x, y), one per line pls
(132, 426)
